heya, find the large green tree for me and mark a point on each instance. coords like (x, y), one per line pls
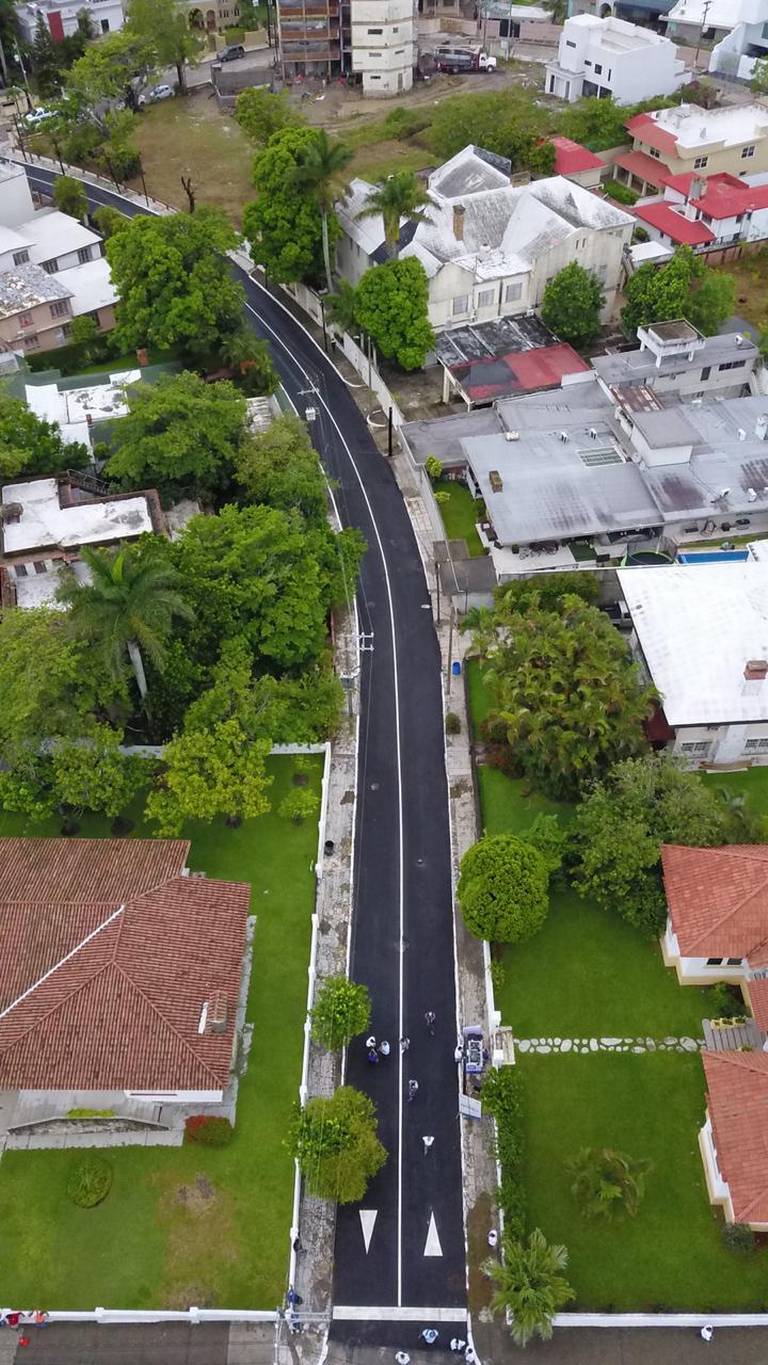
(336, 1144)
(69, 197)
(391, 306)
(529, 1285)
(106, 69)
(180, 435)
(174, 284)
(567, 697)
(210, 773)
(279, 466)
(93, 774)
(399, 196)
(127, 609)
(29, 445)
(45, 61)
(284, 225)
(607, 1183)
(684, 288)
(163, 25)
(620, 826)
(261, 113)
(319, 176)
(341, 1011)
(572, 304)
(503, 889)
(506, 122)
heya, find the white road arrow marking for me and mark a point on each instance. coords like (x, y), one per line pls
(367, 1219)
(432, 1245)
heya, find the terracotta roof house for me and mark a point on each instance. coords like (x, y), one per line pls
(732, 1140)
(121, 978)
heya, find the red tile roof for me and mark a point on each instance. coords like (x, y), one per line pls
(644, 167)
(103, 980)
(718, 900)
(725, 196)
(681, 183)
(675, 225)
(571, 157)
(645, 129)
(757, 990)
(737, 1099)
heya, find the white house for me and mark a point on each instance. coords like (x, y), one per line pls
(61, 18)
(490, 248)
(738, 25)
(701, 631)
(383, 48)
(609, 57)
(708, 214)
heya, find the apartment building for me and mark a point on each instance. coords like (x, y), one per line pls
(603, 58)
(61, 18)
(740, 28)
(383, 47)
(673, 146)
(310, 38)
(35, 310)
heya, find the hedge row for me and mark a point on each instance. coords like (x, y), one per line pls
(503, 1098)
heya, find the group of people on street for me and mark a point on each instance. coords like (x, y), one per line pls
(17, 1319)
(429, 1335)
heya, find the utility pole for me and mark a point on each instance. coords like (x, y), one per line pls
(450, 648)
(3, 63)
(704, 13)
(30, 105)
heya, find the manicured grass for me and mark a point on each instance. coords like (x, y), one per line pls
(460, 514)
(752, 784)
(479, 697)
(589, 974)
(652, 1106)
(188, 1225)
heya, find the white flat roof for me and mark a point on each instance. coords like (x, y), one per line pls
(44, 522)
(698, 625)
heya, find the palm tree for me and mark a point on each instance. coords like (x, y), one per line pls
(607, 1182)
(529, 1285)
(128, 607)
(319, 175)
(399, 196)
(340, 307)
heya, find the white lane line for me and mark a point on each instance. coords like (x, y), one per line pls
(368, 1222)
(356, 1313)
(396, 692)
(432, 1245)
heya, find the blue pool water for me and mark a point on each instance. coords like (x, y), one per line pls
(712, 556)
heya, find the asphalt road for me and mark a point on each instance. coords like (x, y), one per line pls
(409, 1248)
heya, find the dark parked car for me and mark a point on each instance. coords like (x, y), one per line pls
(231, 53)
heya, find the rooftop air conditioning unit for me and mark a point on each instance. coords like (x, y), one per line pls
(563, 436)
(511, 435)
(593, 433)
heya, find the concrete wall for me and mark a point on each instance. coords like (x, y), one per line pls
(723, 745)
(383, 49)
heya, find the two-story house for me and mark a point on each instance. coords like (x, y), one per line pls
(604, 58)
(674, 146)
(490, 248)
(35, 310)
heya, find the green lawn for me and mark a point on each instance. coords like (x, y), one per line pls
(670, 1256)
(460, 514)
(188, 1225)
(752, 784)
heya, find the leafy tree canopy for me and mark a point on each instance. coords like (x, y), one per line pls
(600, 124)
(163, 25)
(684, 288)
(568, 697)
(336, 1144)
(210, 773)
(180, 435)
(506, 122)
(94, 775)
(29, 445)
(173, 283)
(391, 305)
(572, 303)
(69, 197)
(620, 827)
(261, 113)
(503, 889)
(104, 72)
(759, 82)
(342, 1011)
(284, 226)
(279, 466)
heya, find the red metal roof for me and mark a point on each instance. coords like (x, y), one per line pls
(737, 1100)
(645, 129)
(644, 167)
(542, 367)
(725, 196)
(718, 900)
(681, 183)
(680, 229)
(571, 157)
(103, 982)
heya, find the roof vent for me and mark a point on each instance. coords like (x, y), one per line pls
(495, 480)
(10, 512)
(756, 670)
(511, 435)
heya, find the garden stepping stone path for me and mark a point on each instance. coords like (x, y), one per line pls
(609, 1044)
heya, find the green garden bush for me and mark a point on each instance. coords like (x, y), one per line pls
(503, 1098)
(503, 889)
(623, 194)
(90, 1181)
(208, 1131)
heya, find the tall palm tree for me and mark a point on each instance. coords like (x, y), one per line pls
(607, 1182)
(319, 175)
(530, 1285)
(127, 608)
(399, 196)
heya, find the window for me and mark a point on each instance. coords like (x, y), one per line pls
(654, 151)
(460, 304)
(610, 73)
(598, 69)
(25, 319)
(375, 32)
(375, 78)
(747, 151)
(60, 308)
(51, 266)
(568, 43)
(756, 746)
(374, 54)
(714, 962)
(31, 343)
(20, 257)
(66, 330)
(486, 298)
(734, 961)
(395, 29)
(698, 749)
(40, 566)
(105, 26)
(732, 365)
(700, 163)
(706, 372)
(21, 569)
(587, 62)
(83, 255)
(513, 292)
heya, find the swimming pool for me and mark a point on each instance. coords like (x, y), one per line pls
(712, 556)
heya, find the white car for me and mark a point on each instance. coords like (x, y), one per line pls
(37, 116)
(158, 92)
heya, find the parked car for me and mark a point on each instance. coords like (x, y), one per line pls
(36, 117)
(231, 53)
(158, 92)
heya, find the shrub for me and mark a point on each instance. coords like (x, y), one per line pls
(503, 1098)
(498, 975)
(639, 234)
(89, 1182)
(433, 468)
(452, 723)
(725, 1001)
(738, 1237)
(208, 1131)
(298, 805)
(623, 194)
(402, 123)
(342, 1010)
(503, 889)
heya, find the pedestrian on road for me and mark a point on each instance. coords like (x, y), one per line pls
(412, 1089)
(458, 1052)
(292, 1297)
(40, 1318)
(402, 1358)
(24, 1341)
(384, 1048)
(430, 1335)
(427, 1140)
(370, 1042)
(493, 1238)
(373, 1056)
(470, 1356)
(405, 1043)
(430, 1019)
(457, 1344)
(707, 1332)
